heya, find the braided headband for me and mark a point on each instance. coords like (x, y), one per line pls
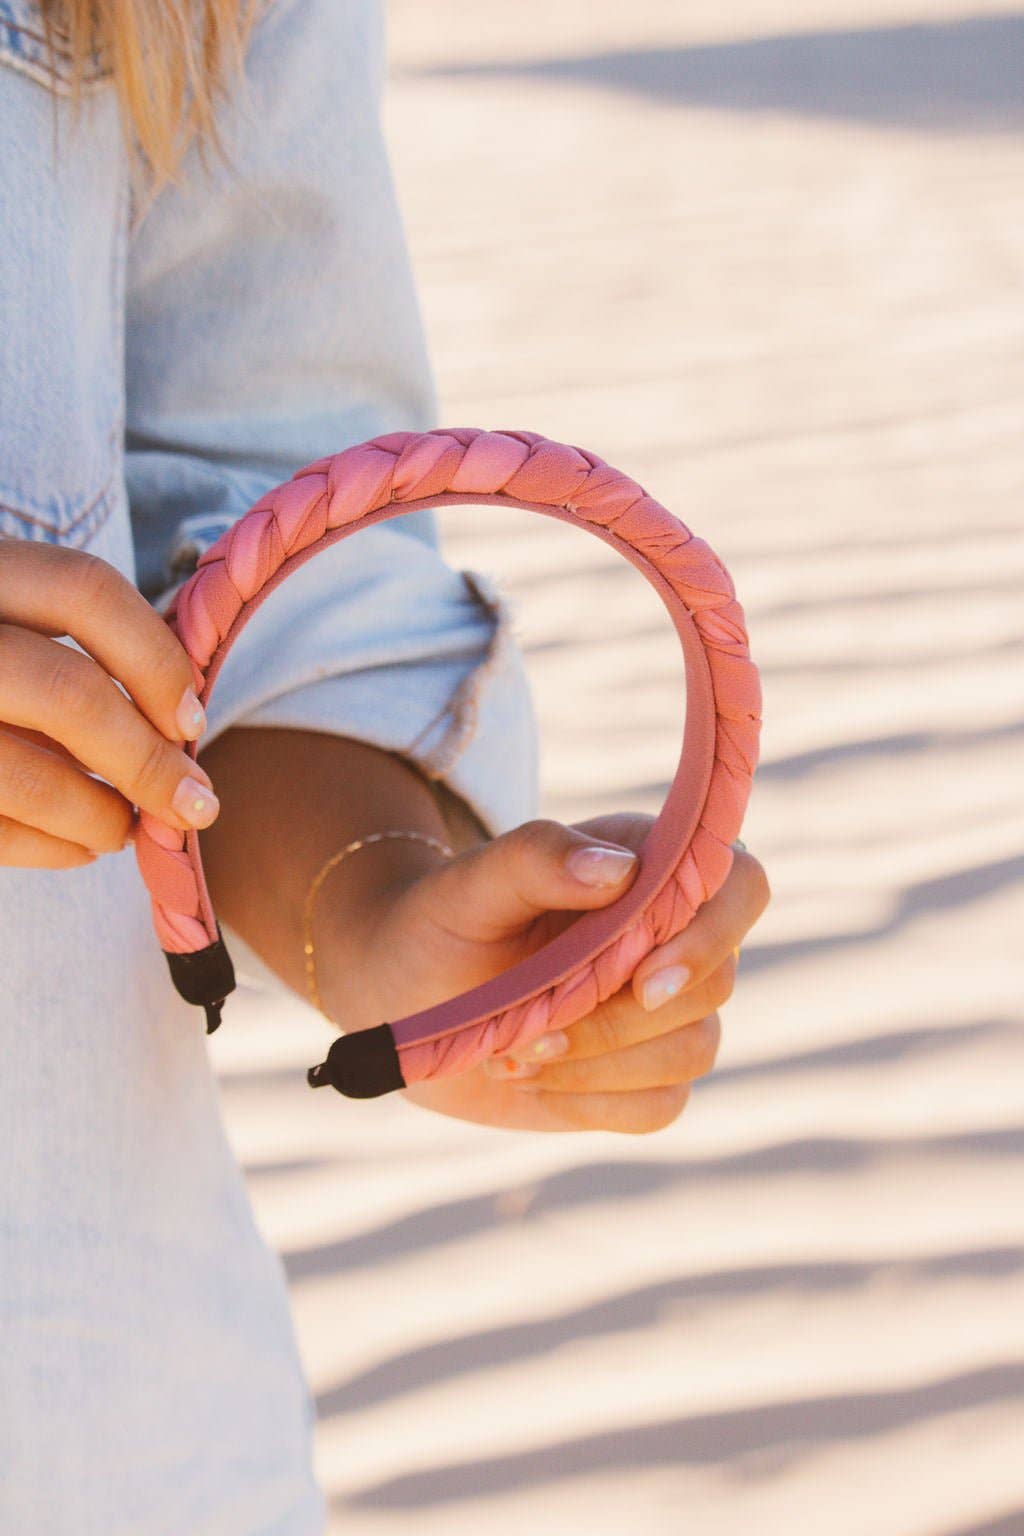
(687, 853)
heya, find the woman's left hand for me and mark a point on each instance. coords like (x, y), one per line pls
(624, 1067)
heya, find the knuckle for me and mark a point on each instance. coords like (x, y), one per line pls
(91, 578)
(152, 770)
(540, 836)
(110, 840)
(69, 685)
(19, 657)
(708, 1041)
(92, 582)
(722, 982)
(716, 931)
(170, 668)
(660, 1107)
(603, 1030)
(29, 781)
(762, 889)
(532, 845)
(695, 1047)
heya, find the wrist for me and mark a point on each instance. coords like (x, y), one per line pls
(341, 922)
(345, 978)
(289, 800)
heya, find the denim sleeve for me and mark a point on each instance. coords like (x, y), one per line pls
(271, 317)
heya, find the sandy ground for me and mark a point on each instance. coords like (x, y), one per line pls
(769, 263)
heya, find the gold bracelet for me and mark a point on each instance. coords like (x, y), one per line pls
(307, 922)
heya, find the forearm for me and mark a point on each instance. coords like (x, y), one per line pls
(289, 800)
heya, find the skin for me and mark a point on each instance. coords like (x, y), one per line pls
(78, 753)
(457, 923)
(63, 718)
(627, 1069)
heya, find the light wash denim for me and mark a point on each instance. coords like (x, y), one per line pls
(157, 374)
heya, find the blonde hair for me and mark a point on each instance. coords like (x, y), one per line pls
(171, 61)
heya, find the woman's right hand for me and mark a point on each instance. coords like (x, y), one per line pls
(63, 717)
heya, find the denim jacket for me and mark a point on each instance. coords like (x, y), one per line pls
(166, 366)
(160, 368)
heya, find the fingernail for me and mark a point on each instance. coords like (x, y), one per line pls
(191, 716)
(662, 985)
(195, 803)
(505, 1066)
(554, 1043)
(600, 866)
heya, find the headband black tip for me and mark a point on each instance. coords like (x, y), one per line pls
(362, 1065)
(205, 977)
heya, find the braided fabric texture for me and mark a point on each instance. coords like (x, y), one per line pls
(342, 490)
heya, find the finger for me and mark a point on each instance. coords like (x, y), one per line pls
(42, 740)
(58, 749)
(680, 1056)
(24, 847)
(630, 829)
(718, 927)
(620, 1021)
(57, 591)
(58, 690)
(631, 1114)
(498, 888)
(49, 796)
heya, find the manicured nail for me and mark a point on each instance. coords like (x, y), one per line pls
(554, 1043)
(195, 803)
(191, 716)
(662, 985)
(600, 866)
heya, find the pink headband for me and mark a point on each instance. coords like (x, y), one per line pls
(687, 853)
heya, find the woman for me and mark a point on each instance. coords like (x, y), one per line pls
(205, 286)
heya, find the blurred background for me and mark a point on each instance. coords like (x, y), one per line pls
(768, 260)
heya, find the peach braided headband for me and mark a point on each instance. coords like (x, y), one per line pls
(687, 854)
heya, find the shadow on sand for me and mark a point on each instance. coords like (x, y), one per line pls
(962, 75)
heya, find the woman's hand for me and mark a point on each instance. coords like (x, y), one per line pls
(63, 717)
(626, 1068)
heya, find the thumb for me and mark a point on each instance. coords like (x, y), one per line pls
(498, 888)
